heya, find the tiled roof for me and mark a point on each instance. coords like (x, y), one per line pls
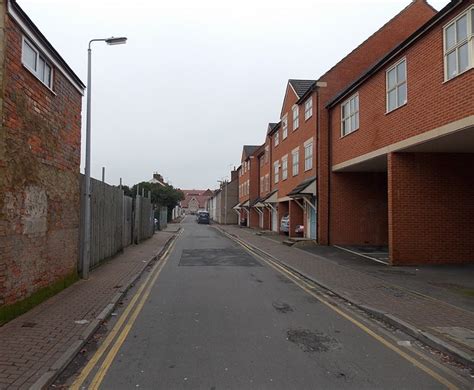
(248, 151)
(301, 86)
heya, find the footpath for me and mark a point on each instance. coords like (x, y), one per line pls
(433, 320)
(38, 345)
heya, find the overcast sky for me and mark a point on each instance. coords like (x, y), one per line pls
(197, 79)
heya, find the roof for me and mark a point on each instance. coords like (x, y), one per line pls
(301, 86)
(248, 150)
(272, 127)
(268, 195)
(396, 51)
(302, 186)
(200, 195)
(26, 23)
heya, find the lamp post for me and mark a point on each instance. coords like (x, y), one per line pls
(87, 194)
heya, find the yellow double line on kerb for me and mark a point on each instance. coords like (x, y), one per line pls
(119, 332)
(308, 287)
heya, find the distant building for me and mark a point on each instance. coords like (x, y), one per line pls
(195, 200)
(157, 179)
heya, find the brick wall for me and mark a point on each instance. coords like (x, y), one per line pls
(431, 102)
(342, 74)
(359, 213)
(431, 206)
(39, 178)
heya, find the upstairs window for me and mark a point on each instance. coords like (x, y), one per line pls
(267, 153)
(276, 172)
(308, 108)
(284, 125)
(296, 116)
(459, 45)
(397, 85)
(308, 154)
(36, 63)
(284, 168)
(350, 115)
(276, 139)
(267, 182)
(295, 159)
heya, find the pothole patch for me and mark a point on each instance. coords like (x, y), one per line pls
(310, 341)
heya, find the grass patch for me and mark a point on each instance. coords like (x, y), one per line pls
(9, 312)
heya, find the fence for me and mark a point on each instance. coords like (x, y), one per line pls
(116, 220)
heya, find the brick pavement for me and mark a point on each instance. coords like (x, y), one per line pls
(32, 343)
(421, 312)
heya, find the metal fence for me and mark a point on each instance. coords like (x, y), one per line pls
(116, 221)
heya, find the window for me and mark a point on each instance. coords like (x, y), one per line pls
(262, 183)
(284, 167)
(276, 171)
(260, 160)
(295, 160)
(267, 182)
(308, 108)
(350, 115)
(308, 155)
(276, 139)
(459, 45)
(36, 63)
(267, 153)
(397, 85)
(284, 124)
(296, 116)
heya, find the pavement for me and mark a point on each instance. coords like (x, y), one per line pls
(211, 315)
(36, 346)
(433, 304)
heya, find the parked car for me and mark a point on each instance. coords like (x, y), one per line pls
(203, 217)
(285, 224)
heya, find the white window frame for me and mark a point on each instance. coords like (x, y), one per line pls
(276, 138)
(352, 114)
(295, 162)
(469, 13)
(39, 56)
(267, 153)
(284, 127)
(397, 85)
(308, 157)
(276, 171)
(284, 167)
(308, 108)
(295, 112)
(267, 182)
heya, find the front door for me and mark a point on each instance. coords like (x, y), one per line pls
(312, 222)
(274, 220)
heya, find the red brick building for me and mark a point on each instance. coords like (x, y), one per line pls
(195, 200)
(402, 147)
(40, 139)
(248, 185)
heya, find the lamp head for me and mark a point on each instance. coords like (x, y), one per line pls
(116, 40)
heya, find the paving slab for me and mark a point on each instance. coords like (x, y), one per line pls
(37, 345)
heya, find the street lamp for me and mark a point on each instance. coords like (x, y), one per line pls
(87, 202)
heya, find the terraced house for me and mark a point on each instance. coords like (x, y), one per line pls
(378, 150)
(402, 147)
(248, 186)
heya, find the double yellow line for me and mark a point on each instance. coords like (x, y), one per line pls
(308, 289)
(119, 332)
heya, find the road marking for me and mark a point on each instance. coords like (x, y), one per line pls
(119, 324)
(303, 285)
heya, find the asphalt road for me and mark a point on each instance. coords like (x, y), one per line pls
(218, 318)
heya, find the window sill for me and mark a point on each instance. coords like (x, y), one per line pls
(397, 108)
(37, 78)
(352, 132)
(459, 74)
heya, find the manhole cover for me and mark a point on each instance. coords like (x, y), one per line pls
(217, 257)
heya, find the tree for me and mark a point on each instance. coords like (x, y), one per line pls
(166, 195)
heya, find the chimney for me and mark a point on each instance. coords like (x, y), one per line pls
(233, 175)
